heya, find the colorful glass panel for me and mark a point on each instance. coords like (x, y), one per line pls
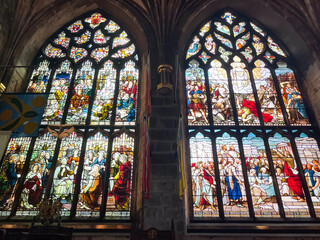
(120, 180)
(62, 40)
(290, 185)
(247, 54)
(85, 37)
(241, 42)
(75, 27)
(78, 53)
(58, 95)
(99, 53)
(224, 54)
(257, 44)
(309, 155)
(228, 17)
(233, 190)
(246, 107)
(267, 94)
(66, 170)
(105, 89)
(261, 184)
(210, 44)
(125, 52)
(93, 173)
(239, 28)
(219, 93)
(37, 178)
(224, 40)
(53, 52)
(11, 171)
(222, 28)
(127, 97)
(100, 38)
(291, 96)
(257, 29)
(275, 47)
(269, 57)
(194, 47)
(205, 29)
(95, 20)
(112, 27)
(204, 57)
(39, 78)
(204, 192)
(196, 95)
(79, 102)
(121, 40)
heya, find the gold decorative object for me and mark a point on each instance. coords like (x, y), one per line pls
(165, 87)
(49, 212)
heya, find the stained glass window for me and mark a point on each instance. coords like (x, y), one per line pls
(253, 151)
(84, 153)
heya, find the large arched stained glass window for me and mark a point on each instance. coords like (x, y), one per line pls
(253, 151)
(84, 153)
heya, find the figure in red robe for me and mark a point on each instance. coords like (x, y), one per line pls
(294, 181)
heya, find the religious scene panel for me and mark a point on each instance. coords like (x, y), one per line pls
(11, 170)
(234, 197)
(120, 179)
(204, 188)
(196, 95)
(58, 95)
(93, 175)
(35, 183)
(309, 155)
(262, 187)
(65, 173)
(287, 174)
(39, 78)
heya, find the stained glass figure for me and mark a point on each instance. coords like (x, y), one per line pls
(75, 27)
(196, 95)
(275, 47)
(205, 29)
(66, 170)
(269, 57)
(222, 28)
(247, 53)
(125, 52)
(78, 53)
(85, 37)
(120, 180)
(58, 94)
(194, 47)
(37, 178)
(95, 20)
(257, 29)
(261, 184)
(39, 79)
(267, 94)
(224, 40)
(121, 40)
(100, 38)
(233, 190)
(93, 173)
(79, 102)
(224, 54)
(291, 95)
(204, 57)
(99, 53)
(53, 52)
(290, 185)
(62, 40)
(127, 98)
(11, 171)
(257, 44)
(105, 88)
(309, 155)
(112, 27)
(239, 28)
(210, 44)
(241, 42)
(204, 188)
(220, 96)
(245, 102)
(228, 17)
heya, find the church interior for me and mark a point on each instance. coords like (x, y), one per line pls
(181, 121)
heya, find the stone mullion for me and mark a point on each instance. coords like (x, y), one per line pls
(92, 97)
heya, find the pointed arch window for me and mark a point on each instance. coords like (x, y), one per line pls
(84, 153)
(253, 150)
